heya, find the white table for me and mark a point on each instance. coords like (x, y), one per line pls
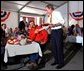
(75, 39)
(14, 50)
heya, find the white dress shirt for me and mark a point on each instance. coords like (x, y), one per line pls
(55, 18)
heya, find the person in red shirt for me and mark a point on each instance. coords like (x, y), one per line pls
(40, 35)
(31, 30)
(35, 34)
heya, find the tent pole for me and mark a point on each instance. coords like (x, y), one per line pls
(18, 18)
(68, 14)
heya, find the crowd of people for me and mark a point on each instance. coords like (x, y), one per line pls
(21, 36)
(74, 29)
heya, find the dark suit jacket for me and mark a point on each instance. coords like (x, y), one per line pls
(21, 25)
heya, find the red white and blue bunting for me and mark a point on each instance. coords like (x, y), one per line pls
(4, 15)
(77, 15)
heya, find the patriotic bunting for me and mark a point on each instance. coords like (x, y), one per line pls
(77, 15)
(4, 15)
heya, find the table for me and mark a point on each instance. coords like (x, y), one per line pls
(75, 39)
(14, 50)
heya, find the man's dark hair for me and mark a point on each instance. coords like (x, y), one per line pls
(50, 6)
(3, 24)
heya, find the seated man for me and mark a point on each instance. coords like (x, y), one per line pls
(33, 58)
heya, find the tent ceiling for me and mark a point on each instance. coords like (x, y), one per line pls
(32, 10)
(57, 3)
(19, 2)
(37, 4)
(29, 6)
(10, 6)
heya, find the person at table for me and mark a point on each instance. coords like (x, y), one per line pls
(16, 31)
(71, 30)
(40, 35)
(33, 58)
(10, 32)
(77, 29)
(36, 33)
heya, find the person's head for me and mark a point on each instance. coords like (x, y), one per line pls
(24, 18)
(12, 37)
(31, 24)
(72, 26)
(11, 29)
(77, 25)
(3, 26)
(49, 8)
(16, 29)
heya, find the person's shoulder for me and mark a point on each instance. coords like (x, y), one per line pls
(56, 12)
(21, 21)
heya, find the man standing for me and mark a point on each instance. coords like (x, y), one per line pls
(3, 43)
(22, 24)
(55, 21)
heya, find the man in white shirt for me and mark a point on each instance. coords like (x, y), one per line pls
(55, 21)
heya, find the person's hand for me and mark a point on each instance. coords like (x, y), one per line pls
(36, 31)
(42, 42)
(29, 40)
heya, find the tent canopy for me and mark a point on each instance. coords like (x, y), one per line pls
(35, 7)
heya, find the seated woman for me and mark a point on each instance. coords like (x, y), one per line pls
(16, 32)
(37, 33)
(40, 35)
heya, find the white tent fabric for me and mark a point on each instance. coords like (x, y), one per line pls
(36, 7)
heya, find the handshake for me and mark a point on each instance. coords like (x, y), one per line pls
(38, 30)
(44, 28)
